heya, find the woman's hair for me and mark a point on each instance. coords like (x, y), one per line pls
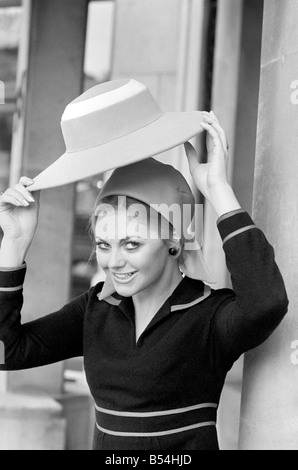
(137, 210)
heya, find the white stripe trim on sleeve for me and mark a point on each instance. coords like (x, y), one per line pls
(237, 232)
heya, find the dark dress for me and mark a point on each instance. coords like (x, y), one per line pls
(162, 392)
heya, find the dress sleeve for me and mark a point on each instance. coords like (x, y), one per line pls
(258, 302)
(52, 338)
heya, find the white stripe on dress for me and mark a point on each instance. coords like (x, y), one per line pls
(158, 433)
(149, 414)
(10, 289)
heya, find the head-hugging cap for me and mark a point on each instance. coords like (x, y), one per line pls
(164, 189)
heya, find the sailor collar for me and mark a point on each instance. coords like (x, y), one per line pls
(188, 293)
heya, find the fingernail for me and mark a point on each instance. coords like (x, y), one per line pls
(31, 198)
(25, 203)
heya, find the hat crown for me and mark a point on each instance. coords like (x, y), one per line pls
(158, 185)
(107, 112)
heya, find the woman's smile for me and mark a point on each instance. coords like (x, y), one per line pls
(124, 278)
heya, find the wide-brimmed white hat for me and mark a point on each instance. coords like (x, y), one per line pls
(112, 125)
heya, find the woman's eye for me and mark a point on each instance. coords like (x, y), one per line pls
(102, 246)
(129, 245)
(132, 245)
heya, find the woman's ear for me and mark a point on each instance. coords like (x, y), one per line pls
(174, 249)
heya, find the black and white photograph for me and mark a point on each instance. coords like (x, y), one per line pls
(148, 227)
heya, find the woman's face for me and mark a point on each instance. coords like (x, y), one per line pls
(134, 259)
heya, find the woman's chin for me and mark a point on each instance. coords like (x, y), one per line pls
(126, 290)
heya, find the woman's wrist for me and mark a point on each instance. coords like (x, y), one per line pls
(222, 198)
(12, 252)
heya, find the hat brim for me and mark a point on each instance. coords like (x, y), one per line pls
(169, 131)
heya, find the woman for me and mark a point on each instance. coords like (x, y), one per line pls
(157, 345)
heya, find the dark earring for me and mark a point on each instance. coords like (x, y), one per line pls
(173, 251)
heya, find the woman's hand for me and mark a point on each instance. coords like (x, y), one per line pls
(211, 178)
(208, 176)
(18, 219)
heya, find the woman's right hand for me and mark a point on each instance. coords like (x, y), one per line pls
(19, 213)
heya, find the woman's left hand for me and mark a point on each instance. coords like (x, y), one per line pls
(211, 178)
(211, 175)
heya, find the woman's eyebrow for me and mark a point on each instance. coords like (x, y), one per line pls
(99, 239)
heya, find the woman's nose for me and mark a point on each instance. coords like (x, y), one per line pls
(116, 259)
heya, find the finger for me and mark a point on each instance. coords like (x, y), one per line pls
(207, 113)
(225, 142)
(16, 196)
(210, 118)
(6, 198)
(21, 189)
(221, 132)
(191, 156)
(25, 181)
(213, 133)
(214, 115)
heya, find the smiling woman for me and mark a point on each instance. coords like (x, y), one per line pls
(128, 237)
(157, 341)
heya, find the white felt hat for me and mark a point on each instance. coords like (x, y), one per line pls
(112, 125)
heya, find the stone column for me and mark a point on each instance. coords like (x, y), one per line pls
(269, 412)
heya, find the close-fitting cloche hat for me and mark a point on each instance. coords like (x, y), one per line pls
(112, 125)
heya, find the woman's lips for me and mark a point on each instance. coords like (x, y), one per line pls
(123, 278)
